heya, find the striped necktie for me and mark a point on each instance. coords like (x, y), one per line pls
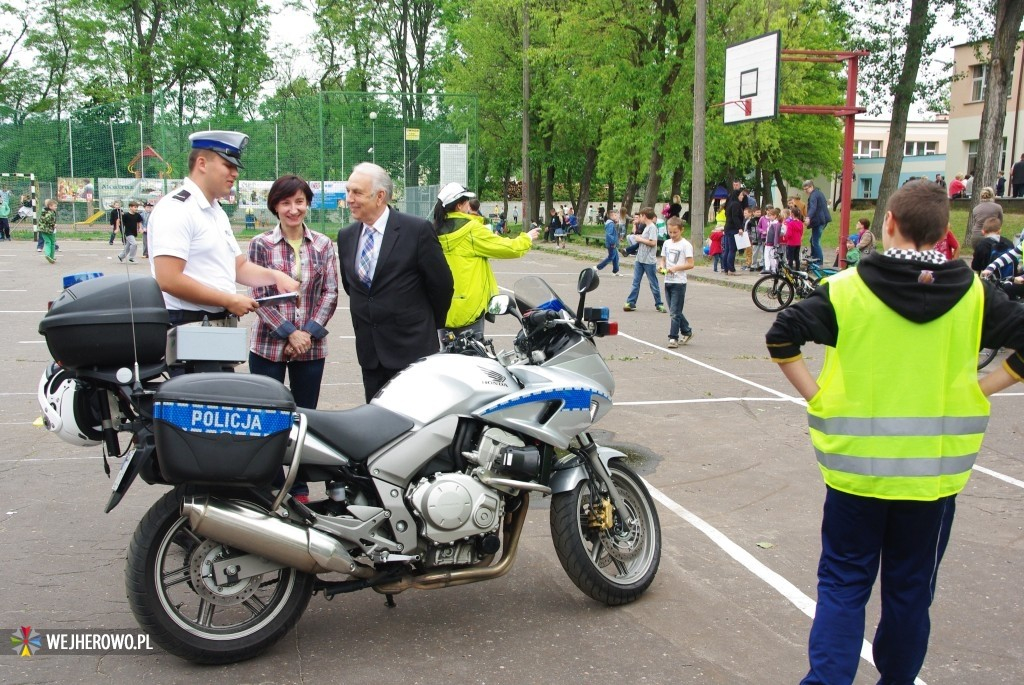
(364, 267)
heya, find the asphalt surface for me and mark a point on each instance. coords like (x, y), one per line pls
(722, 440)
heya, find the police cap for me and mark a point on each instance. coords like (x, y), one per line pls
(227, 144)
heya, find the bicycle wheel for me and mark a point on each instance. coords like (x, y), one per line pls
(772, 293)
(985, 356)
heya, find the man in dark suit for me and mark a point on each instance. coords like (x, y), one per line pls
(398, 282)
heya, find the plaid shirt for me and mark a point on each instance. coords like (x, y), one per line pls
(318, 294)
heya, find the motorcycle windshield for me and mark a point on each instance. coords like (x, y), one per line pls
(533, 292)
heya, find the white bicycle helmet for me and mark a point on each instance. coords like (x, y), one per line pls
(70, 409)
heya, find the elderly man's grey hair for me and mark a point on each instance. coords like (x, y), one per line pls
(379, 179)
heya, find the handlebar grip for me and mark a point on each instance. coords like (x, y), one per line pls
(541, 316)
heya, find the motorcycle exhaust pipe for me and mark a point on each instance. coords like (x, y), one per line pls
(255, 532)
(513, 529)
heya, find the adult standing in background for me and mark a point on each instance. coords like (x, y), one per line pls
(468, 245)
(5, 215)
(196, 258)
(147, 209)
(986, 208)
(676, 206)
(1017, 177)
(398, 282)
(734, 219)
(818, 218)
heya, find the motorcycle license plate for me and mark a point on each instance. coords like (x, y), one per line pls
(123, 469)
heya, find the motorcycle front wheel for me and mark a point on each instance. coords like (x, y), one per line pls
(610, 560)
(772, 293)
(173, 597)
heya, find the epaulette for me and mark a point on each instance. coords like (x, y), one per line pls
(182, 195)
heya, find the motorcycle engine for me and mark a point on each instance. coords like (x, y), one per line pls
(454, 506)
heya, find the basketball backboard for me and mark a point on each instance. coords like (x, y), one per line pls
(752, 79)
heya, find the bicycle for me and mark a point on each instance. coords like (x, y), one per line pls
(774, 292)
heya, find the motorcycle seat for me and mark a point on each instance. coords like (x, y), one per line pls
(358, 432)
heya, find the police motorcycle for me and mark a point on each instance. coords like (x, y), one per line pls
(426, 487)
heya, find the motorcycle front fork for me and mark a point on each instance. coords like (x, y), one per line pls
(599, 468)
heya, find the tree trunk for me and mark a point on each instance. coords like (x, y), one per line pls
(535, 198)
(627, 200)
(677, 180)
(918, 28)
(780, 183)
(611, 195)
(1008, 15)
(583, 200)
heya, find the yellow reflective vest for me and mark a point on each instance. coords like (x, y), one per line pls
(899, 413)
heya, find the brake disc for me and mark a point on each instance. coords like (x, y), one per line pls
(201, 571)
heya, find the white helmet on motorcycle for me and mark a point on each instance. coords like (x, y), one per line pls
(70, 409)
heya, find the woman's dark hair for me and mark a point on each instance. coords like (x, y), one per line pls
(441, 212)
(284, 188)
(866, 222)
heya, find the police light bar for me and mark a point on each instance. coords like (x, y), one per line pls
(595, 313)
(603, 328)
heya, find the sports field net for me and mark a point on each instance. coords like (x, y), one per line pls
(138, 149)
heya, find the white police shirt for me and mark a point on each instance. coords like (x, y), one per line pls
(187, 226)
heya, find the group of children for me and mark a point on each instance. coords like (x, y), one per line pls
(767, 230)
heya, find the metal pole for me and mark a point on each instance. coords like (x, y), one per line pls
(142, 154)
(277, 158)
(71, 156)
(697, 188)
(526, 116)
(113, 149)
(846, 189)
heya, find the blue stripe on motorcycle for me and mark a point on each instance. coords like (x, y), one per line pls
(573, 399)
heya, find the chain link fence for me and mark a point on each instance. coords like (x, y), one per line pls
(138, 150)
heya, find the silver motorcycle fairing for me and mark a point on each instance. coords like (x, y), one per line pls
(554, 407)
(583, 358)
(444, 384)
(566, 480)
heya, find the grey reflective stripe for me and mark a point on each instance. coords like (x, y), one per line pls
(898, 466)
(896, 427)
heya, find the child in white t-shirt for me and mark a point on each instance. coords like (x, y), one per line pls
(675, 260)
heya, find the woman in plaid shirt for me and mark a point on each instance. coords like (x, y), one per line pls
(292, 335)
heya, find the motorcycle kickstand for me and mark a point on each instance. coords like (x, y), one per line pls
(389, 601)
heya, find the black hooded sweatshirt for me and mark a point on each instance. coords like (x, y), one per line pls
(902, 285)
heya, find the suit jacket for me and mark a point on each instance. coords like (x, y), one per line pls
(396, 320)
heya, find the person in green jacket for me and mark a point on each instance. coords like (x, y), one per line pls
(468, 245)
(5, 214)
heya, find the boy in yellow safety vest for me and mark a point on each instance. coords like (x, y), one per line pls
(896, 418)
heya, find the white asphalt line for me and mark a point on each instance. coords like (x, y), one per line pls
(23, 311)
(31, 342)
(790, 592)
(1000, 476)
(13, 291)
(770, 391)
(701, 401)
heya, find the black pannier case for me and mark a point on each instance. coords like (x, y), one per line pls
(90, 324)
(226, 428)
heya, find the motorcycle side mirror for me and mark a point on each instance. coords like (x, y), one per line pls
(588, 281)
(498, 306)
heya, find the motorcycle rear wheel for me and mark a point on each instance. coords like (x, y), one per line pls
(174, 601)
(614, 565)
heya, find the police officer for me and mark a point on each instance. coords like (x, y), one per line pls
(194, 254)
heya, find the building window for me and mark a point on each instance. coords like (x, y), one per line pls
(972, 155)
(917, 148)
(979, 74)
(865, 188)
(864, 149)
